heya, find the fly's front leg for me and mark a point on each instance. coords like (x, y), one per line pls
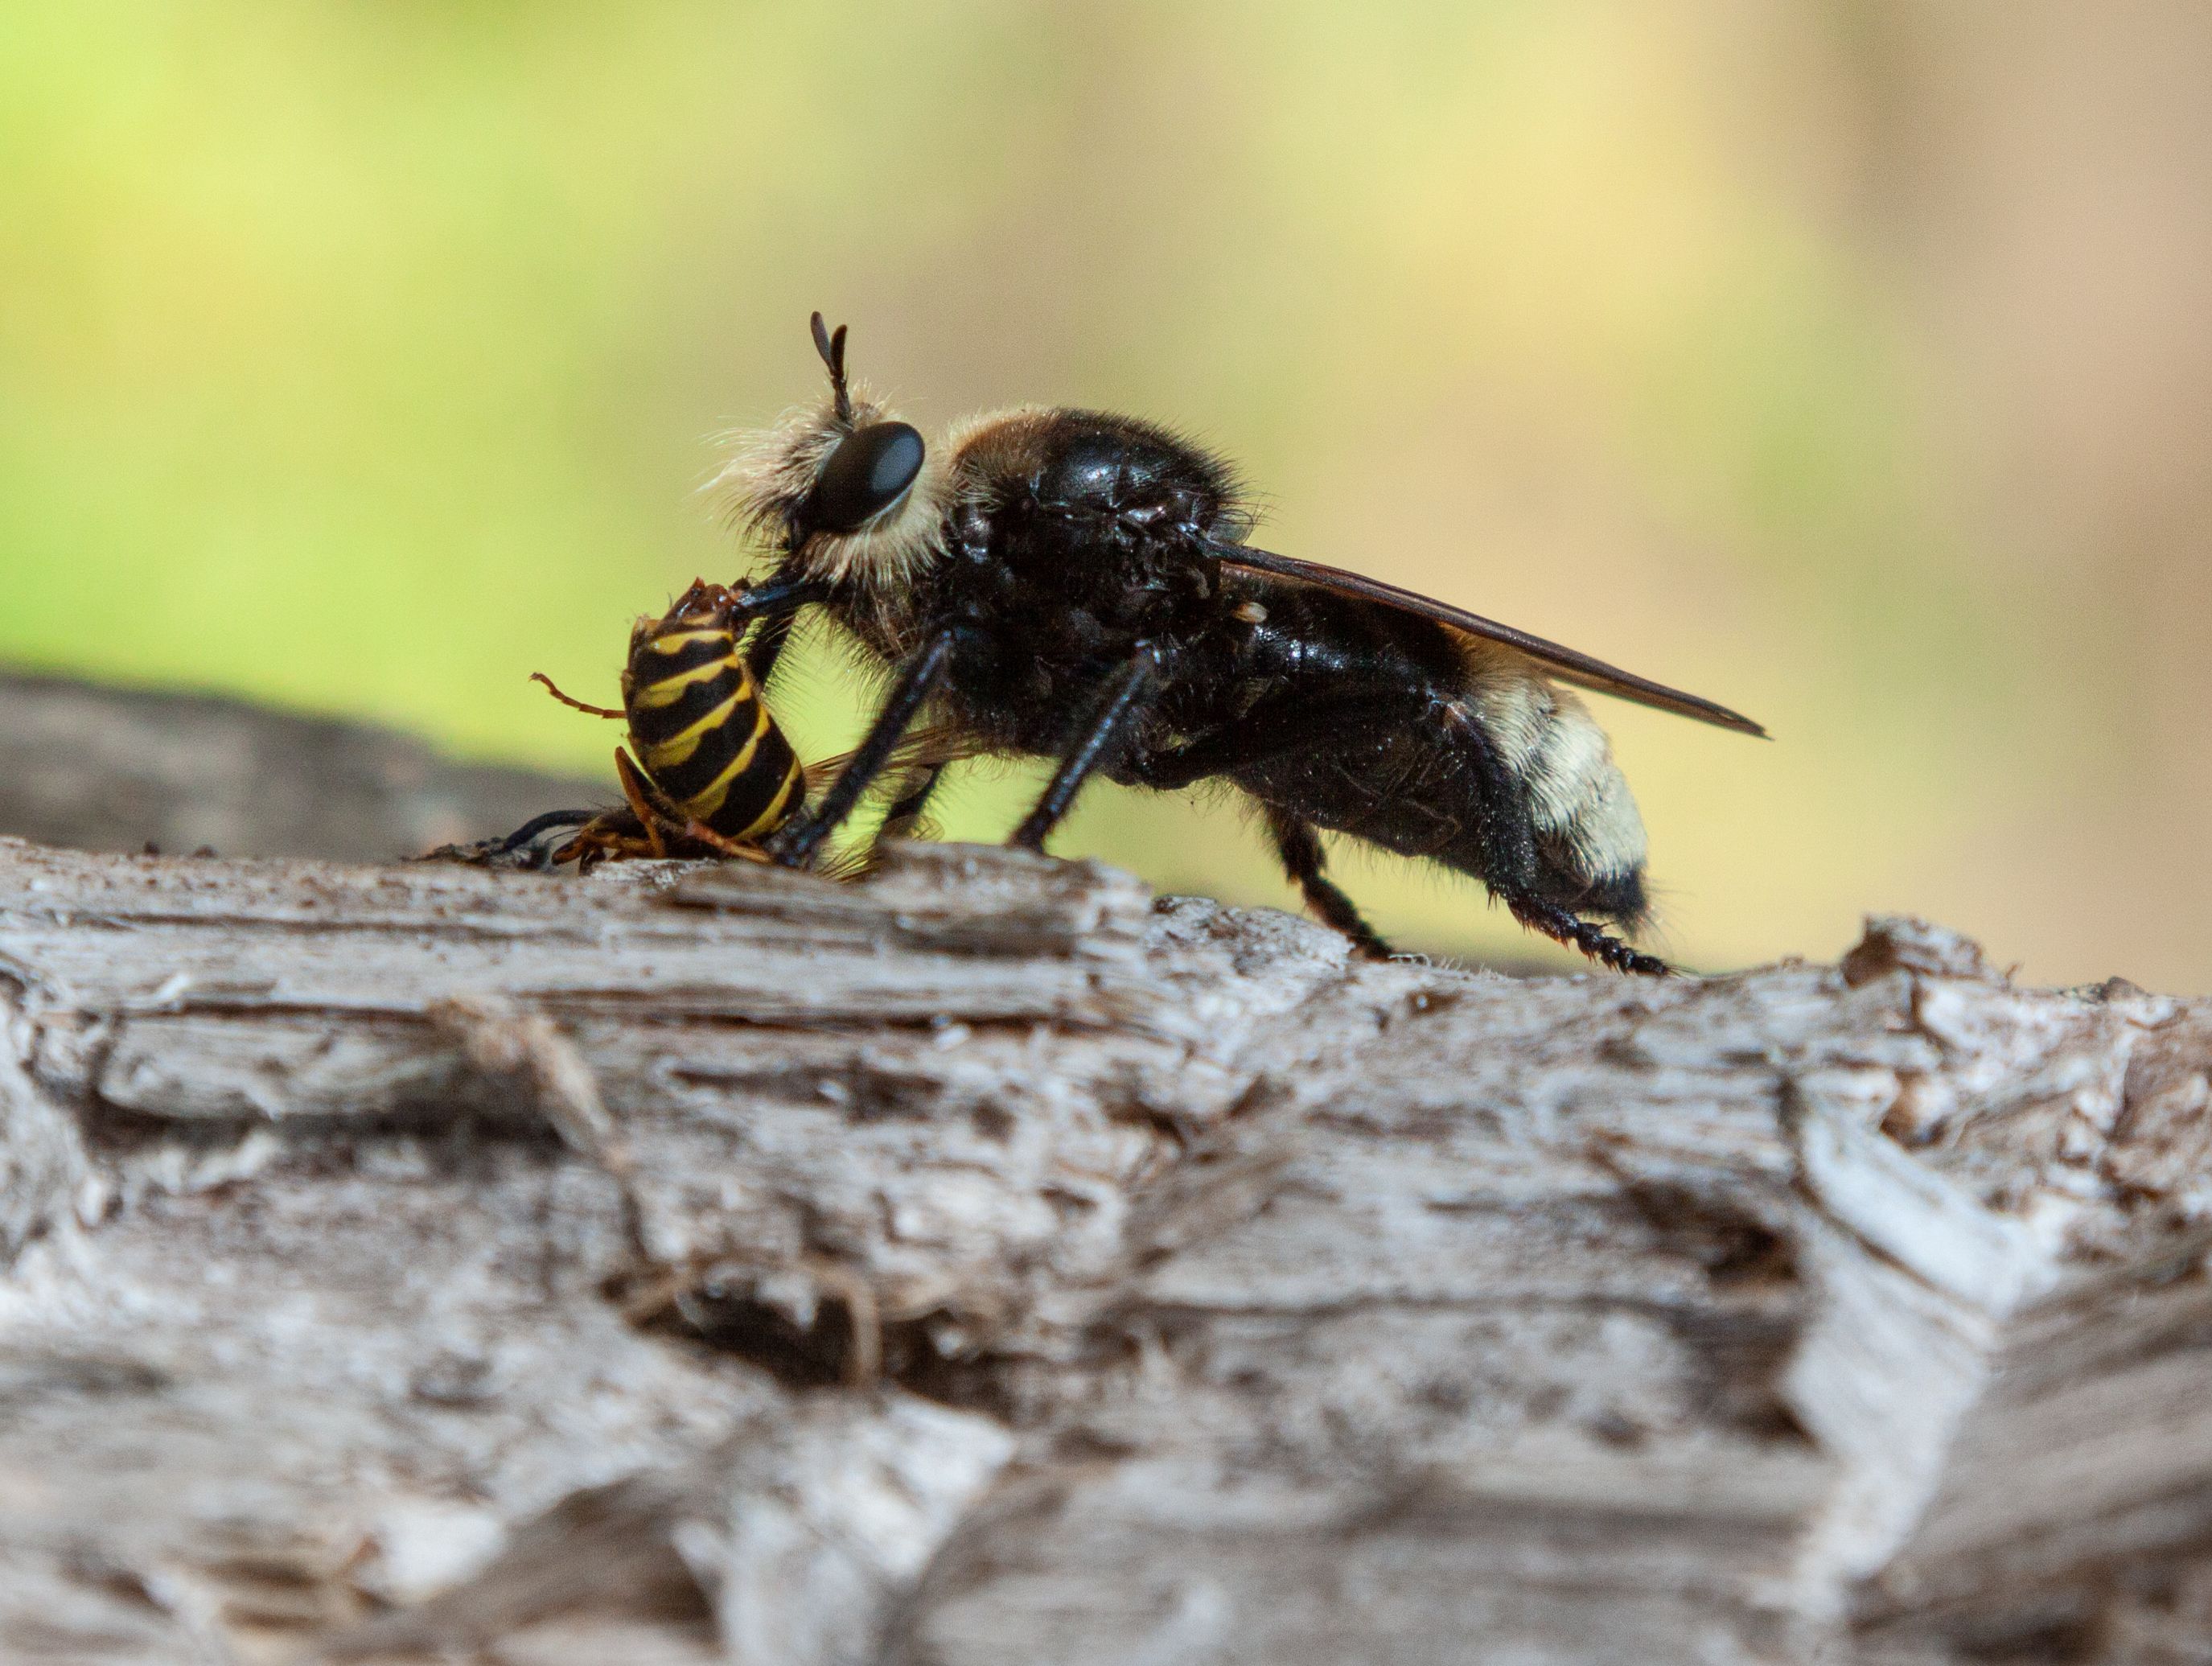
(1105, 722)
(775, 601)
(917, 681)
(768, 644)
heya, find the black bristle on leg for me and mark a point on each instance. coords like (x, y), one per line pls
(1299, 849)
(1599, 945)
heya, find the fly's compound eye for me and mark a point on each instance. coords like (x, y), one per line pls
(869, 471)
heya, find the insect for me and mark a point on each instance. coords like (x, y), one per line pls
(1076, 586)
(713, 775)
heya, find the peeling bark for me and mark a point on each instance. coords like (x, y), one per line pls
(989, 1262)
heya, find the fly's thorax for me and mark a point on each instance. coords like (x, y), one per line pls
(1135, 476)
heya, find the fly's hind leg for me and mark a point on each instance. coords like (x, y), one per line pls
(1562, 926)
(1509, 839)
(1299, 848)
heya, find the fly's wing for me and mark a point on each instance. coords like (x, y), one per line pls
(1565, 664)
(927, 748)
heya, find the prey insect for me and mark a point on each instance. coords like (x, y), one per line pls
(1078, 586)
(713, 776)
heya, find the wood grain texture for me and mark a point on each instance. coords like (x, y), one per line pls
(990, 1263)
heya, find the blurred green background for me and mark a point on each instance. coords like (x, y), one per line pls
(1850, 363)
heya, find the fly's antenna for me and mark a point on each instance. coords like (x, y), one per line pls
(832, 350)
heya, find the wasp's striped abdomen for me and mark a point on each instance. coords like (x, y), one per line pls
(702, 731)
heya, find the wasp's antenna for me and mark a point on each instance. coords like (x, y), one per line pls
(553, 689)
(832, 350)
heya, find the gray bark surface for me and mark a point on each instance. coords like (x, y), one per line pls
(991, 1264)
(102, 768)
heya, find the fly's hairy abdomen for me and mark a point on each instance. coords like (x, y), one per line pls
(1419, 790)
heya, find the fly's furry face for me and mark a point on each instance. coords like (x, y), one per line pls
(773, 485)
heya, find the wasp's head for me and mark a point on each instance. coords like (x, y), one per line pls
(843, 488)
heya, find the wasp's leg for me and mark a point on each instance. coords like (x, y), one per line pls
(721, 843)
(639, 792)
(662, 818)
(586, 707)
(1102, 728)
(798, 839)
(1299, 848)
(592, 844)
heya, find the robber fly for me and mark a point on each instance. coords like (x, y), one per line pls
(1076, 586)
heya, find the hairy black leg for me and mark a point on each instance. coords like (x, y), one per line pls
(1509, 840)
(1299, 848)
(916, 682)
(784, 591)
(906, 810)
(1576, 932)
(775, 601)
(768, 644)
(1103, 724)
(1508, 832)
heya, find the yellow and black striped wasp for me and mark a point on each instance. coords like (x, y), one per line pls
(713, 776)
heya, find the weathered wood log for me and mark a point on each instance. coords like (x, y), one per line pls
(988, 1262)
